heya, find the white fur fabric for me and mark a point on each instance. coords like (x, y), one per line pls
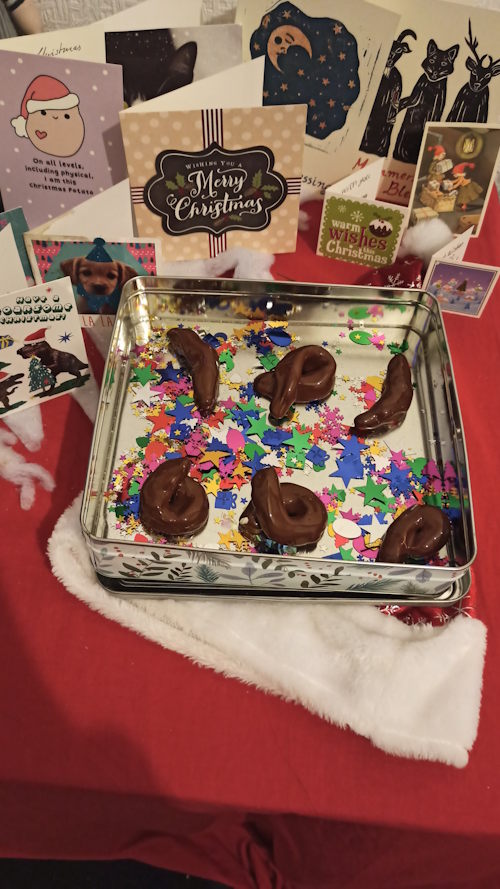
(413, 691)
(425, 238)
(243, 262)
(15, 469)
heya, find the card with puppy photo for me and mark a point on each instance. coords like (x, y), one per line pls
(42, 353)
(97, 270)
(462, 287)
(60, 137)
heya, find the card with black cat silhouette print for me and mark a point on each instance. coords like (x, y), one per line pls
(42, 352)
(443, 65)
(455, 174)
(329, 57)
(160, 60)
(86, 39)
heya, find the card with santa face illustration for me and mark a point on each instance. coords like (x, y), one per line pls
(60, 141)
(98, 270)
(42, 353)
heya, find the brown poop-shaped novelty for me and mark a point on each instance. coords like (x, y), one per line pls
(306, 374)
(287, 514)
(390, 410)
(418, 533)
(201, 361)
(172, 504)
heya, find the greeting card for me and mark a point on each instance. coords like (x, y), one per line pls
(87, 40)
(61, 140)
(455, 174)
(443, 65)
(12, 271)
(210, 178)
(98, 270)
(355, 227)
(42, 353)
(462, 288)
(17, 220)
(157, 61)
(331, 59)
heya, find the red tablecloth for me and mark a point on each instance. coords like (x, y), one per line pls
(114, 747)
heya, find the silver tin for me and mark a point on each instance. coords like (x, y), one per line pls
(433, 429)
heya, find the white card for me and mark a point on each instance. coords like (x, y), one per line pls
(238, 87)
(362, 184)
(88, 42)
(43, 353)
(452, 252)
(13, 277)
(111, 210)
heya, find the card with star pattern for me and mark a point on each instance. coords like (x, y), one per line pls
(330, 60)
(42, 352)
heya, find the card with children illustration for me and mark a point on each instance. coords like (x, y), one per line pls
(60, 138)
(42, 353)
(462, 287)
(455, 174)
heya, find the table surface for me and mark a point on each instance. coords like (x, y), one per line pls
(106, 736)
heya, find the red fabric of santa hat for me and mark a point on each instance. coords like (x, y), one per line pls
(37, 336)
(44, 93)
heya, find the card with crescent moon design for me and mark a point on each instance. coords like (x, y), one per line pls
(331, 64)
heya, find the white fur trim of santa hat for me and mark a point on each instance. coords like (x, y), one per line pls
(62, 104)
(19, 124)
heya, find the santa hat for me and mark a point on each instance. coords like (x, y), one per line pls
(437, 149)
(44, 93)
(461, 168)
(98, 253)
(37, 337)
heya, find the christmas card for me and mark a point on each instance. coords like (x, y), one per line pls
(210, 178)
(160, 60)
(13, 277)
(42, 354)
(443, 64)
(462, 288)
(98, 270)
(61, 139)
(17, 220)
(88, 41)
(330, 57)
(355, 227)
(455, 174)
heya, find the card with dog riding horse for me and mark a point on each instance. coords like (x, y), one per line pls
(60, 138)
(42, 353)
(97, 270)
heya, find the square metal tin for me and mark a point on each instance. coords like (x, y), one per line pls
(314, 314)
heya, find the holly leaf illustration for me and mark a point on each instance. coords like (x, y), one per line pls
(266, 188)
(234, 217)
(257, 179)
(171, 185)
(179, 178)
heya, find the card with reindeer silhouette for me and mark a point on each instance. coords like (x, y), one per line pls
(443, 65)
(455, 174)
(42, 352)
